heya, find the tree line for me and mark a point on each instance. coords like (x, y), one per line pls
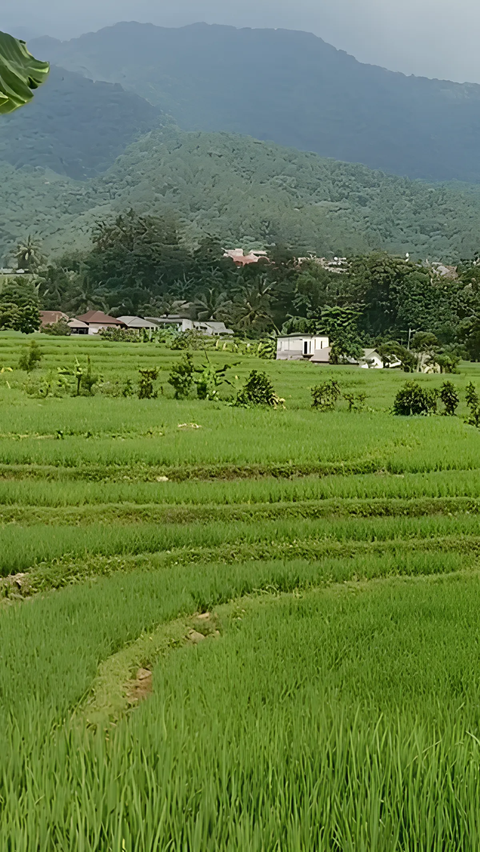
(143, 265)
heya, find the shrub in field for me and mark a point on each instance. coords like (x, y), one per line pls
(447, 361)
(146, 388)
(47, 385)
(181, 376)
(413, 399)
(119, 335)
(326, 395)
(57, 329)
(210, 380)
(31, 357)
(258, 390)
(471, 395)
(267, 349)
(190, 339)
(450, 398)
(84, 379)
(127, 389)
(356, 401)
(473, 402)
(87, 380)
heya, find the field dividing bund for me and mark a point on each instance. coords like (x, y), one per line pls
(297, 592)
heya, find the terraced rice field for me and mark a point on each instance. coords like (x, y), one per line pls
(228, 629)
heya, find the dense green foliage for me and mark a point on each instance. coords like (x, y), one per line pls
(19, 305)
(289, 87)
(141, 264)
(75, 127)
(242, 191)
(327, 709)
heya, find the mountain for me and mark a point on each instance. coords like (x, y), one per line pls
(74, 126)
(244, 192)
(291, 88)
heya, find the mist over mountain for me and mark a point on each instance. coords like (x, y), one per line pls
(291, 88)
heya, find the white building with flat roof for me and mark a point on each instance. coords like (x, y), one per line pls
(300, 347)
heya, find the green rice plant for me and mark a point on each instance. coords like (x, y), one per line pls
(26, 546)
(345, 719)
(337, 708)
(63, 492)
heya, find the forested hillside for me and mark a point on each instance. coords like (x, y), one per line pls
(289, 87)
(74, 126)
(248, 193)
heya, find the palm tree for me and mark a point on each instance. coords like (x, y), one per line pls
(29, 255)
(212, 304)
(253, 306)
(88, 296)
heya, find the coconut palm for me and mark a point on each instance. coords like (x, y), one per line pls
(212, 304)
(252, 309)
(20, 73)
(29, 255)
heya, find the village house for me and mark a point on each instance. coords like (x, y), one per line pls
(175, 321)
(77, 327)
(97, 321)
(137, 323)
(300, 347)
(240, 259)
(317, 350)
(180, 323)
(371, 360)
(51, 318)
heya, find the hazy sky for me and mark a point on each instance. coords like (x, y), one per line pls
(436, 38)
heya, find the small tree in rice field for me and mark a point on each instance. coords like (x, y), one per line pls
(326, 395)
(210, 380)
(258, 390)
(356, 401)
(473, 402)
(88, 380)
(450, 398)
(413, 399)
(181, 376)
(31, 357)
(84, 378)
(471, 395)
(146, 389)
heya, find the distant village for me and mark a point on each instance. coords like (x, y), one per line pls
(289, 347)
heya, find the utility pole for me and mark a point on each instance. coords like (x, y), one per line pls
(410, 332)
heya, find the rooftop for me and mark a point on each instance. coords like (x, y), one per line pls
(99, 317)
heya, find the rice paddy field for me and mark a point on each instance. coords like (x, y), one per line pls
(235, 629)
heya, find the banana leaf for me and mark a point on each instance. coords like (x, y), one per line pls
(20, 73)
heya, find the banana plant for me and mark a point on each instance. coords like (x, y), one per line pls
(20, 73)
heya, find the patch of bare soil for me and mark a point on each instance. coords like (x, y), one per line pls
(203, 626)
(14, 587)
(141, 687)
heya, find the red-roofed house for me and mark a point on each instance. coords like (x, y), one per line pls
(241, 259)
(51, 317)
